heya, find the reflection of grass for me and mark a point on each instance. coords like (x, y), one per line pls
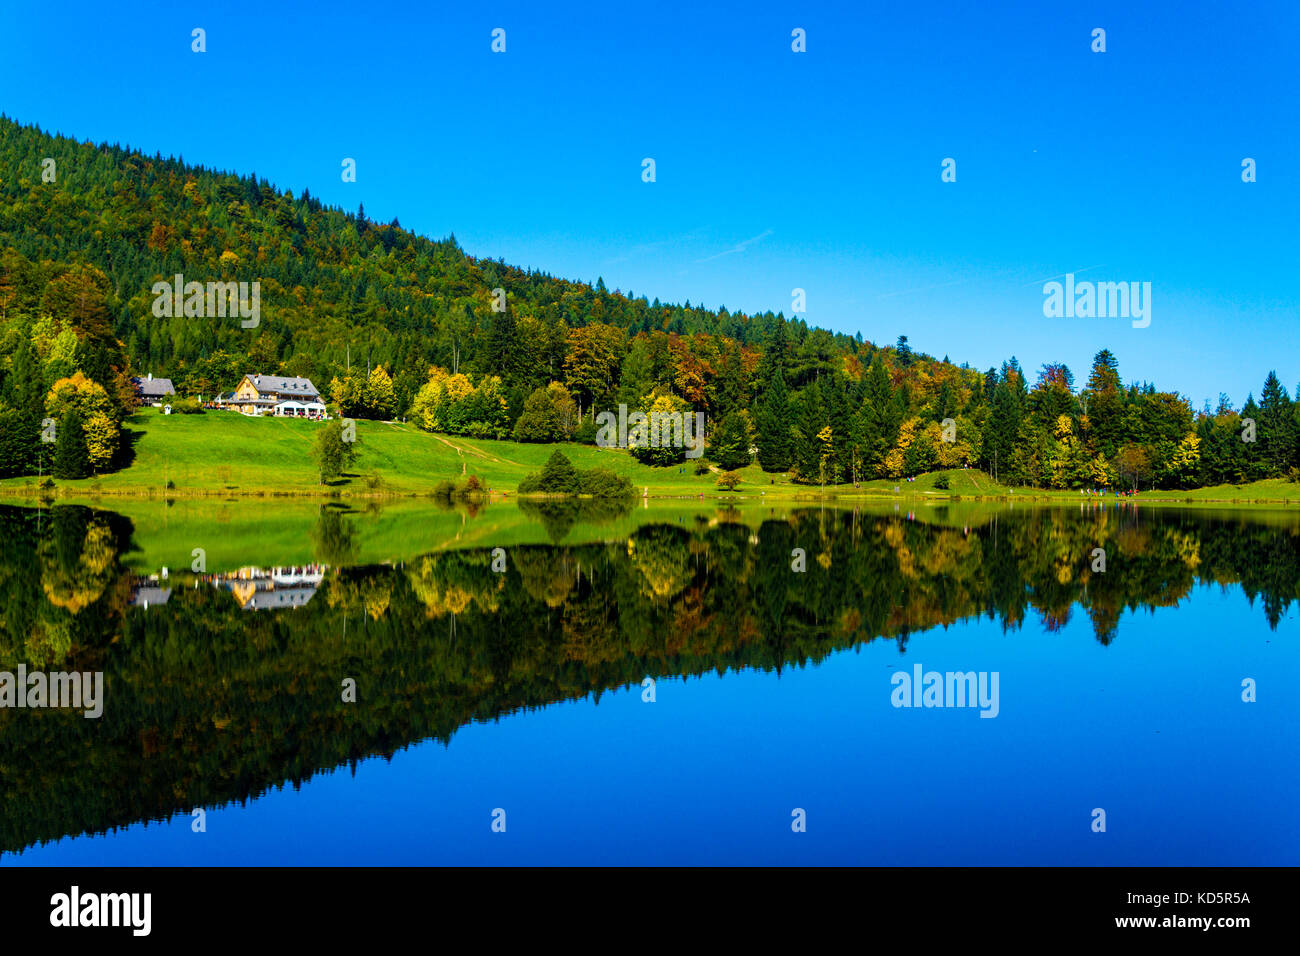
(234, 533)
(223, 453)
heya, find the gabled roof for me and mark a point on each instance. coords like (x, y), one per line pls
(154, 386)
(283, 386)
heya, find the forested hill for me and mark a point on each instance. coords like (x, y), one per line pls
(388, 323)
(330, 279)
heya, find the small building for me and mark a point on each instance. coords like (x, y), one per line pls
(152, 391)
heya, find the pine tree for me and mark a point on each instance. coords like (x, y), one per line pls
(806, 450)
(71, 459)
(774, 427)
(1276, 428)
(502, 347)
(905, 356)
(774, 353)
(558, 476)
(1253, 465)
(878, 421)
(837, 417)
(1002, 435)
(730, 448)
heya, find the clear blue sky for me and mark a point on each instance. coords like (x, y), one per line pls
(775, 170)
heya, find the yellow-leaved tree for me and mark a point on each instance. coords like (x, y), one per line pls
(92, 404)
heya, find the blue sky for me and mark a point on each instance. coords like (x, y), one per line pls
(775, 170)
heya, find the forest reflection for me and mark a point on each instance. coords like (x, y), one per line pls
(222, 685)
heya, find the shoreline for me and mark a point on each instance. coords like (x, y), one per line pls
(29, 493)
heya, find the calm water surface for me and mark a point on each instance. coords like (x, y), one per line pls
(522, 690)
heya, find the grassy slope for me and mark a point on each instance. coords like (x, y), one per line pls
(225, 454)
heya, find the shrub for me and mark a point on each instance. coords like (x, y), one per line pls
(702, 468)
(603, 483)
(559, 477)
(941, 482)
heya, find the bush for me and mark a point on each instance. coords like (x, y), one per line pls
(603, 483)
(444, 489)
(702, 468)
(559, 477)
(186, 406)
(941, 482)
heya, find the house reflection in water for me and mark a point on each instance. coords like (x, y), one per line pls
(261, 589)
(146, 592)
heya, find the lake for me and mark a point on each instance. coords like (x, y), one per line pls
(659, 683)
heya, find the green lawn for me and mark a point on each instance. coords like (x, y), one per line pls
(229, 455)
(223, 453)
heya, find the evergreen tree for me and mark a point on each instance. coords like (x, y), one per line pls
(730, 448)
(1255, 466)
(502, 346)
(879, 419)
(1002, 435)
(807, 447)
(1276, 428)
(558, 476)
(905, 357)
(774, 427)
(837, 417)
(71, 458)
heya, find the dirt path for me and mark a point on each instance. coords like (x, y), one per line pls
(477, 453)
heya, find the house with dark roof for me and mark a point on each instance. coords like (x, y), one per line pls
(152, 391)
(275, 395)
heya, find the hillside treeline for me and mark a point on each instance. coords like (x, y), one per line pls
(390, 324)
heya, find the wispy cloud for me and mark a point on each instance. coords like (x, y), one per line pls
(1064, 274)
(648, 248)
(738, 247)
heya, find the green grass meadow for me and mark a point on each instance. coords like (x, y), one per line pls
(228, 455)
